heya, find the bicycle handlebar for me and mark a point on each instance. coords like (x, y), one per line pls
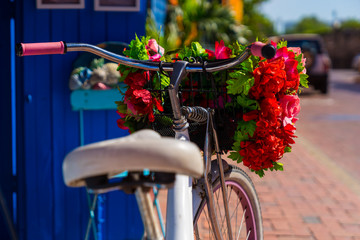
(29, 49)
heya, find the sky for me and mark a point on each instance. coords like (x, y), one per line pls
(282, 11)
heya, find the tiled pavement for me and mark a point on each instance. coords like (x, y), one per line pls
(311, 199)
(317, 197)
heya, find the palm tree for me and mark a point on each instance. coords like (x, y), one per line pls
(200, 20)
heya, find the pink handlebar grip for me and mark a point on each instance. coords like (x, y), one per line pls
(263, 50)
(256, 48)
(29, 49)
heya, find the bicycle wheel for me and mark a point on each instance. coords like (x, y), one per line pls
(244, 209)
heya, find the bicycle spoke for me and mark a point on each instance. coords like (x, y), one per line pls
(208, 223)
(241, 224)
(223, 221)
(238, 204)
(217, 202)
(248, 235)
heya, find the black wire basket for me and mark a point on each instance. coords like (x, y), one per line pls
(206, 90)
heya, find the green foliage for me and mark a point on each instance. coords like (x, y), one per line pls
(137, 48)
(304, 80)
(247, 127)
(239, 83)
(261, 173)
(196, 21)
(195, 50)
(97, 63)
(236, 156)
(247, 104)
(260, 26)
(241, 80)
(237, 48)
(281, 44)
(277, 166)
(287, 149)
(310, 24)
(351, 23)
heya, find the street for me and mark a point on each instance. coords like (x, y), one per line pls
(332, 122)
(318, 194)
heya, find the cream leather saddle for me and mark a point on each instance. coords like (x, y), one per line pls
(145, 149)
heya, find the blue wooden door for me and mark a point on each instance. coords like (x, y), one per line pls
(49, 129)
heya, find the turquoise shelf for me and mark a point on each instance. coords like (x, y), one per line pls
(95, 99)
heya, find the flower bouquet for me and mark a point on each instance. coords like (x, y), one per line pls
(258, 98)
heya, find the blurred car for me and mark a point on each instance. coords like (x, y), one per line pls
(318, 62)
(356, 62)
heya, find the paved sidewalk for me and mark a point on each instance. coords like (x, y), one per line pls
(311, 199)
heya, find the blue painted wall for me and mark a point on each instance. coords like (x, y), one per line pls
(46, 127)
(7, 183)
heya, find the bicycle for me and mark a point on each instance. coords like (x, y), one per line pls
(194, 180)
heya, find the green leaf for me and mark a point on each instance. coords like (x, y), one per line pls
(303, 80)
(239, 83)
(235, 156)
(185, 52)
(198, 50)
(237, 49)
(124, 74)
(240, 137)
(287, 149)
(260, 173)
(281, 44)
(121, 107)
(248, 65)
(247, 103)
(137, 49)
(278, 166)
(300, 67)
(248, 127)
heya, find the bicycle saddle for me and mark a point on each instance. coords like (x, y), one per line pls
(144, 149)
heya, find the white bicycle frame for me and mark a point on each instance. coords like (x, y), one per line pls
(182, 199)
(179, 213)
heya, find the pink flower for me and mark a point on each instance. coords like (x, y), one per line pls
(155, 47)
(297, 52)
(292, 75)
(221, 52)
(155, 58)
(290, 105)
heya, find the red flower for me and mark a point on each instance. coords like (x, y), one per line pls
(252, 115)
(141, 102)
(137, 80)
(270, 111)
(261, 152)
(121, 121)
(211, 54)
(269, 79)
